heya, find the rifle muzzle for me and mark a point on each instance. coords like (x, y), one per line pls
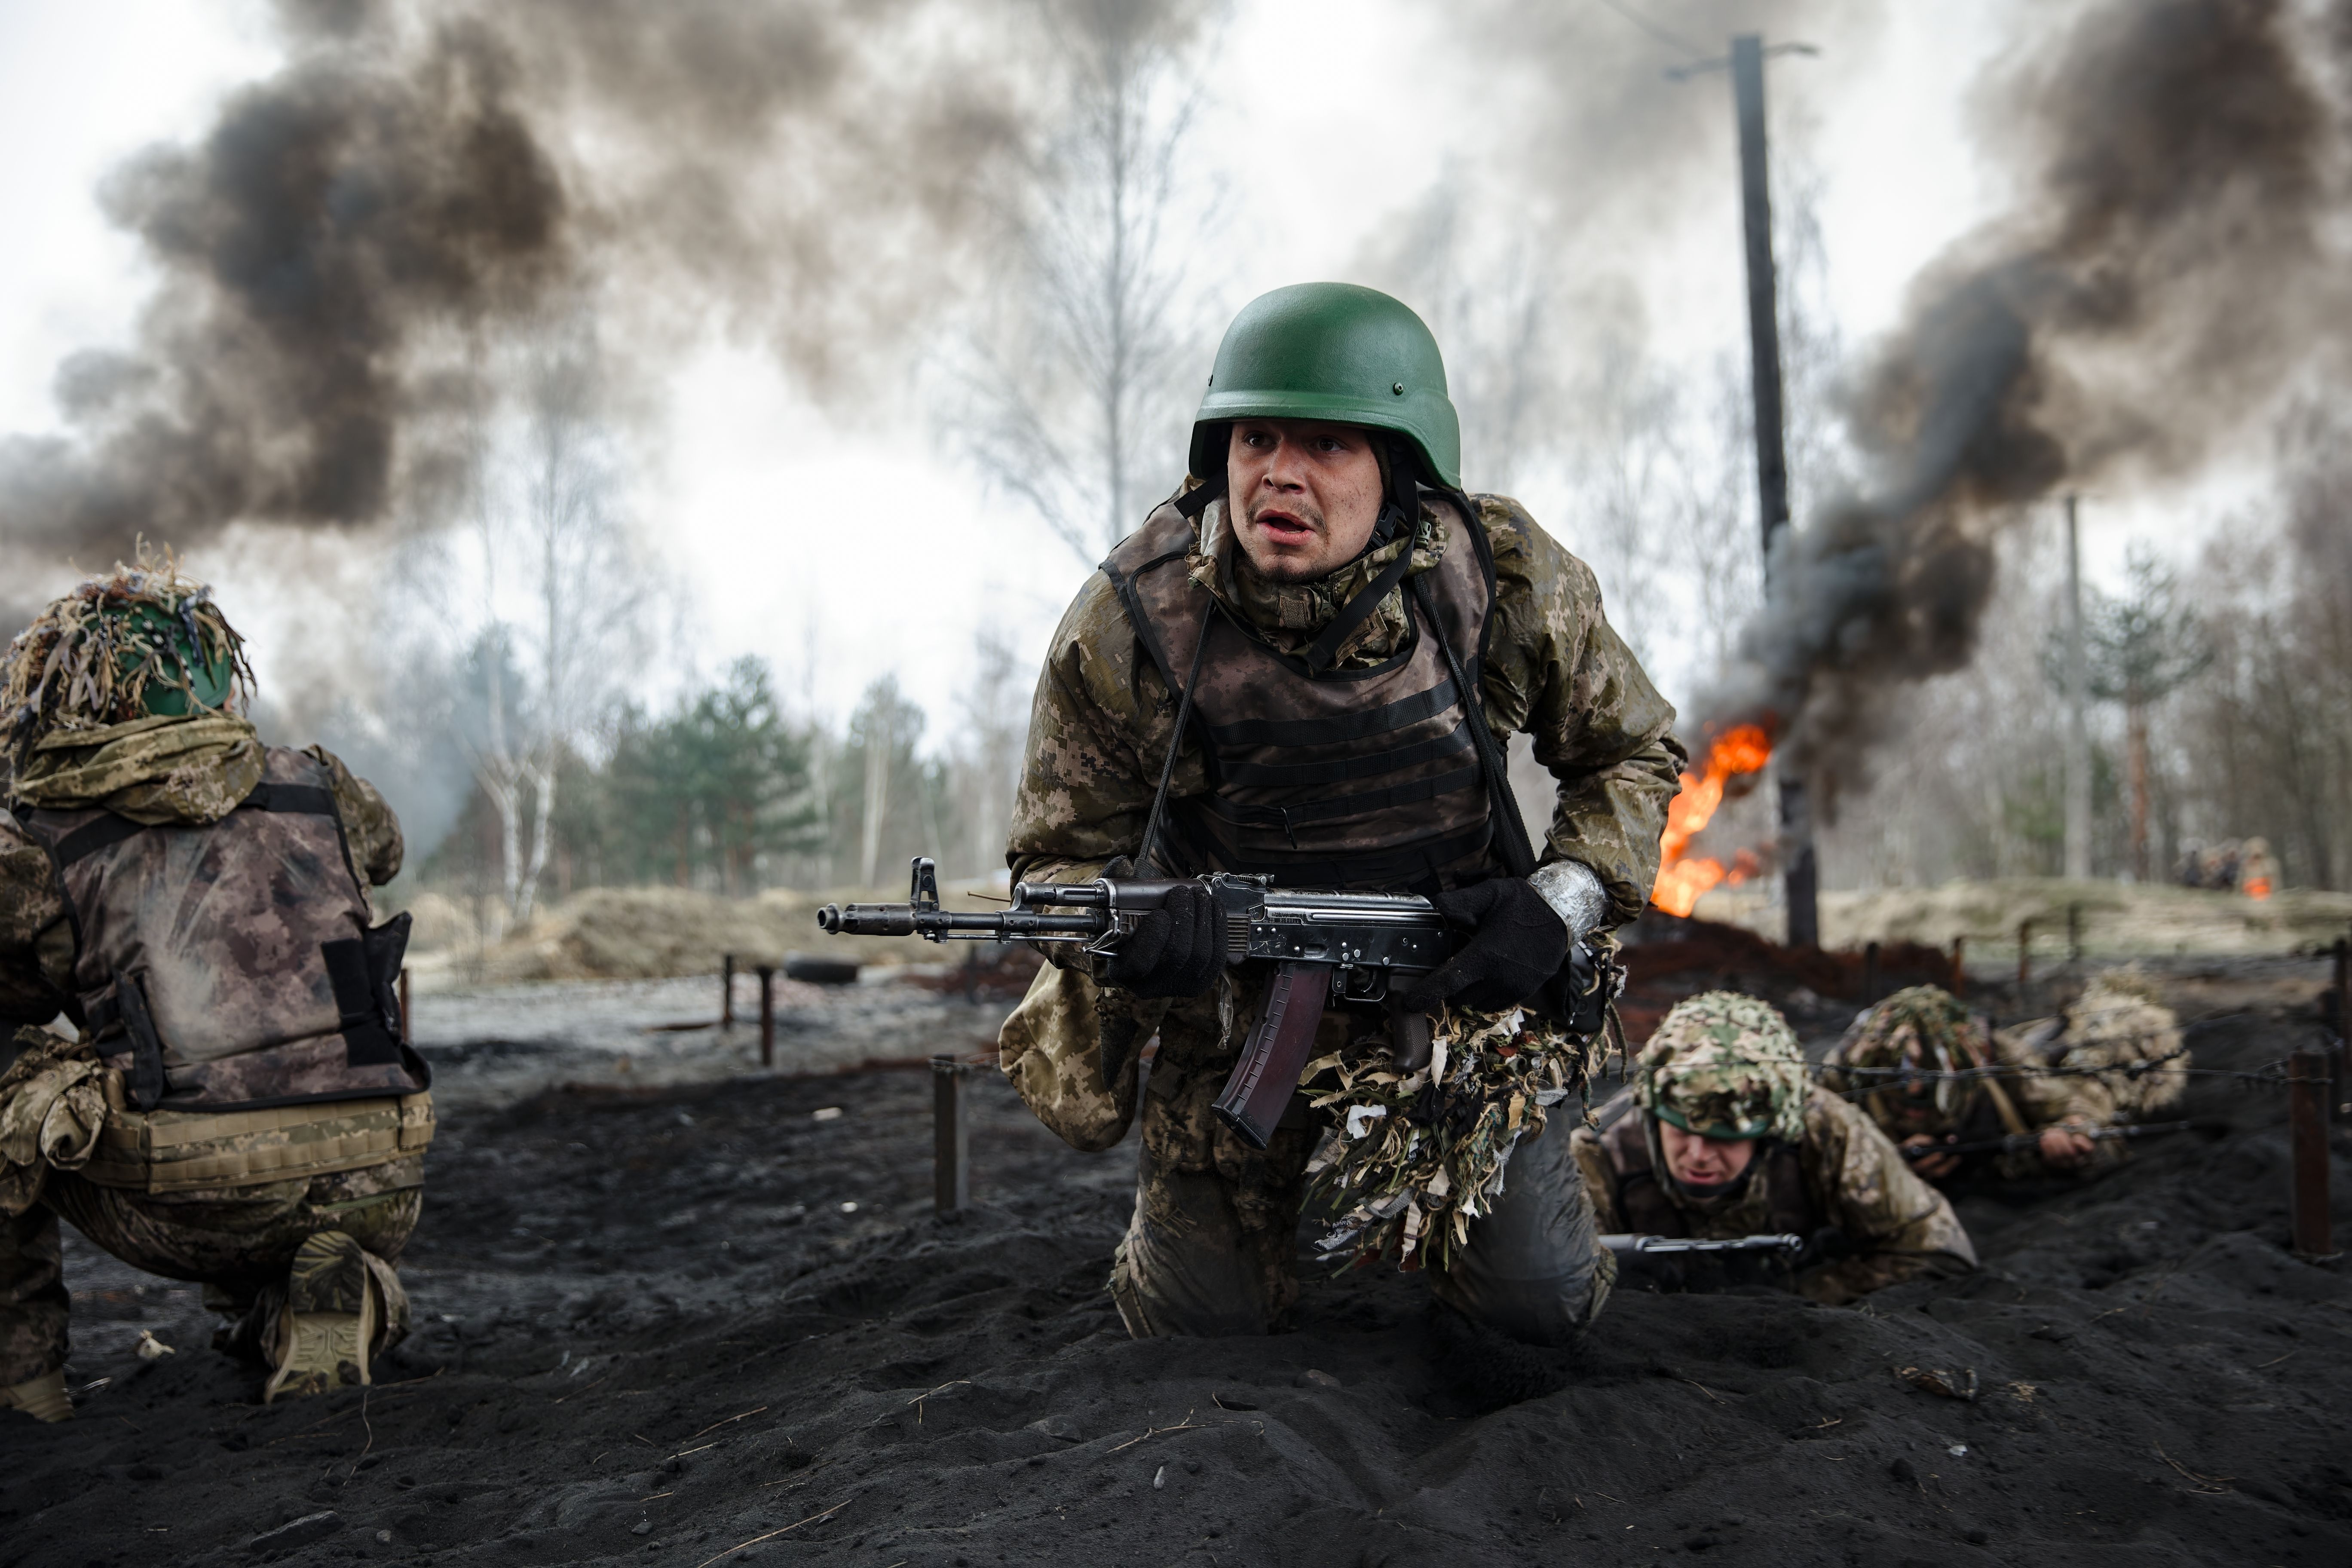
(866, 919)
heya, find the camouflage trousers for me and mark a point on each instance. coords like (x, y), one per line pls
(237, 1242)
(1213, 1248)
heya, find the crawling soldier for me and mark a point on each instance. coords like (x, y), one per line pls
(1719, 1135)
(1913, 1062)
(236, 1106)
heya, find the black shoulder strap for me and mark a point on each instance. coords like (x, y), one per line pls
(1510, 830)
(1143, 861)
(1319, 653)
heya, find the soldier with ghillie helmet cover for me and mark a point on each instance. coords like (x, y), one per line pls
(1721, 1135)
(1269, 678)
(1915, 1062)
(234, 1105)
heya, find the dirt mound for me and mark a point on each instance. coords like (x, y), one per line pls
(653, 934)
(652, 1329)
(1669, 959)
(2115, 919)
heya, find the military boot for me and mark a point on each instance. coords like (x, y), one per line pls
(329, 1320)
(43, 1398)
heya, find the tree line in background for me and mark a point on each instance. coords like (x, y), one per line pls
(2225, 702)
(729, 791)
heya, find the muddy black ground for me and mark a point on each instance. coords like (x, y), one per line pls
(651, 1330)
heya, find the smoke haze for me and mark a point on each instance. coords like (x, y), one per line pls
(343, 250)
(2165, 275)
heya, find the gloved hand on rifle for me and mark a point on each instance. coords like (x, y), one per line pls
(1174, 950)
(1522, 928)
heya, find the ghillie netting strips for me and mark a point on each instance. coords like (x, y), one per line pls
(1417, 1156)
(95, 657)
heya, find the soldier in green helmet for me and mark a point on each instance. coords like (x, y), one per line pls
(1720, 1135)
(1321, 594)
(222, 1099)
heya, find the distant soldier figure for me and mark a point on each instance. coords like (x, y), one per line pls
(237, 1108)
(1349, 632)
(1720, 1136)
(2258, 870)
(1898, 1059)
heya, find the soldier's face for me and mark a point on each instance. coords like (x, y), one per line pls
(1700, 1162)
(1303, 496)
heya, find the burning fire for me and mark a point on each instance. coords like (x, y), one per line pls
(1742, 749)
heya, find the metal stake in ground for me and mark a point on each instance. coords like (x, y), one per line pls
(726, 991)
(950, 1143)
(2340, 1021)
(2024, 959)
(767, 972)
(2307, 1136)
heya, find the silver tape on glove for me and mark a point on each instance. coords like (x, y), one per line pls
(1575, 895)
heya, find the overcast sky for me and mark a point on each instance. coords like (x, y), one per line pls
(1327, 119)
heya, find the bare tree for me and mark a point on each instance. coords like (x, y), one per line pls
(563, 595)
(1074, 369)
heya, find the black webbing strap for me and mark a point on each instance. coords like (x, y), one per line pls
(1510, 832)
(100, 832)
(1143, 860)
(105, 832)
(1319, 653)
(299, 800)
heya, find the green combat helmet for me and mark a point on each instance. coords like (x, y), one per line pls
(1335, 351)
(141, 642)
(1725, 1066)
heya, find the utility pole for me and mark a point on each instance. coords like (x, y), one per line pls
(2078, 735)
(1801, 872)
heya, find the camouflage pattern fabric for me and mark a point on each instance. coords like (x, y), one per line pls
(1897, 1226)
(1726, 1066)
(52, 1108)
(2120, 1022)
(36, 938)
(140, 640)
(1103, 718)
(153, 771)
(238, 1242)
(1203, 1194)
(1922, 1028)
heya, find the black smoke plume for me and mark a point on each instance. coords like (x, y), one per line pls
(342, 251)
(2167, 274)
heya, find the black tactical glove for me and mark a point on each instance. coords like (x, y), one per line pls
(1174, 950)
(1519, 943)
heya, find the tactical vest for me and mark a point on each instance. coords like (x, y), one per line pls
(1365, 779)
(231, 966)
(1648, 1209)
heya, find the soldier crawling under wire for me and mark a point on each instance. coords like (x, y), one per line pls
(1720, 1136)
(1915, 1062)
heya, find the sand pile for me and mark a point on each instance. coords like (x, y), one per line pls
(652, 934)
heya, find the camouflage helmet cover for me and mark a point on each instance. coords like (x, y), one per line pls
(142, 641)
(1725, 1066)
(1921, 1027)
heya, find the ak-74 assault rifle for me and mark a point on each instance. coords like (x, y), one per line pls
(2012, 1143)
(1327, 948)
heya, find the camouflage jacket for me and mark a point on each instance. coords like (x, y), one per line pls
(1554, 670)
(1897, 1226)
(148, 765)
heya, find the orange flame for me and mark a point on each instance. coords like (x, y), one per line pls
(2258, 887)
(1742, 749)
